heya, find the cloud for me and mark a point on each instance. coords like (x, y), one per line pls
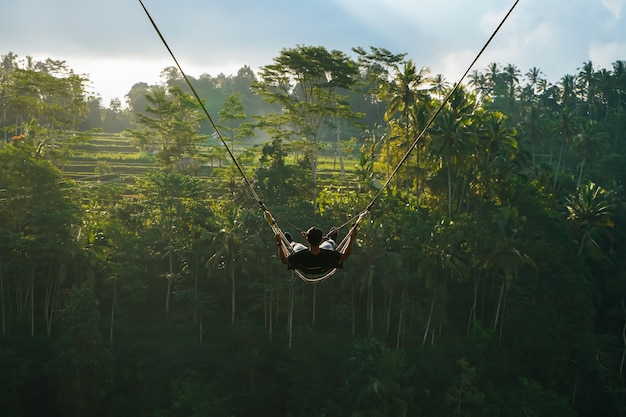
(115, 42)
(603, 55)
(615, 7)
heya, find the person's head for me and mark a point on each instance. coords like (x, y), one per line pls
(314, 236)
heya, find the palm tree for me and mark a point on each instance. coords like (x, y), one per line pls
(408, 95)
(233, 248)
(479, 83)
(492, 77)
(589, 211)
(534, 77)
(450, 137)
(440, 85)
(619, 75)
(588, 144)
(510, 77)
(499, 146)
(441, 261)
(566, 129)
(406, 90)
(568, 91)
(507, 257)
(533, 130)
(586, 83)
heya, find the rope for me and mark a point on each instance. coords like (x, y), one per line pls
(193, 90)
(361, 215)
(439, 109)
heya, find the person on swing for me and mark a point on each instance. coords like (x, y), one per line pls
(320, 256)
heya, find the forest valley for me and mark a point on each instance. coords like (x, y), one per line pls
(489, 279)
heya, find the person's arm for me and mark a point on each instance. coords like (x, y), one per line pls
(281, 252)
(346, 252)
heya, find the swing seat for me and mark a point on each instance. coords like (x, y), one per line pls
(313, 274)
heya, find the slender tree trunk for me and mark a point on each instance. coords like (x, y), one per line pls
(270, 319)
(401, 330)
(499, 306)
(370, 301)
(32, 302)
(169, 285)
(502, 313)
(314, 173)
(471, 321)
(558, 165)
(196, 307)
(429, 321)
(389, 303)
(113, 308)
(290, 316)
(621, 365)
(314, 303)
(580, 173)
(353, 312)
(449, 192)
(4, 323)
(582, 243)
(232, 296)
(51, 299)
(201, 330)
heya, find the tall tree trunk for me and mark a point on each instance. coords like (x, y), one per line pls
(270, 319)
(113, 308)
(389, 303)
(232, 296)
(53, 285)
(4, 323)
(353, 311)
(558, 166)
(499, 306)
(169, 285)
(314, 303)
(370, 301)
(580, 173)
(471, 321)
(290, 316)
(621, 365)
(32, 302)
(429, 321)
(201, 329)
(401, 329)
(449, 192)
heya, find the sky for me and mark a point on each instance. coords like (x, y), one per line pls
(113, 43)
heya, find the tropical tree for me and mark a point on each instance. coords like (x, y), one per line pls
(170, 122)
(231, 116)
(588, 210)
(451, 138)
(38, 249)
(305, 82)
(233, 251)
(498, 146)
(175, 214)
(565, 129)
(589, 143)
(442, 261)
(507, 258)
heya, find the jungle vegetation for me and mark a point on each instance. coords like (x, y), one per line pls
(488, 280)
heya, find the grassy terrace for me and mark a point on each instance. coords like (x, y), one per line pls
(109, 156)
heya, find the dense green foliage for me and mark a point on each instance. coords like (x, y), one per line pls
(488, 280)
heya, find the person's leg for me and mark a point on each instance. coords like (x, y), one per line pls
(328, 245)
(297, 247)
